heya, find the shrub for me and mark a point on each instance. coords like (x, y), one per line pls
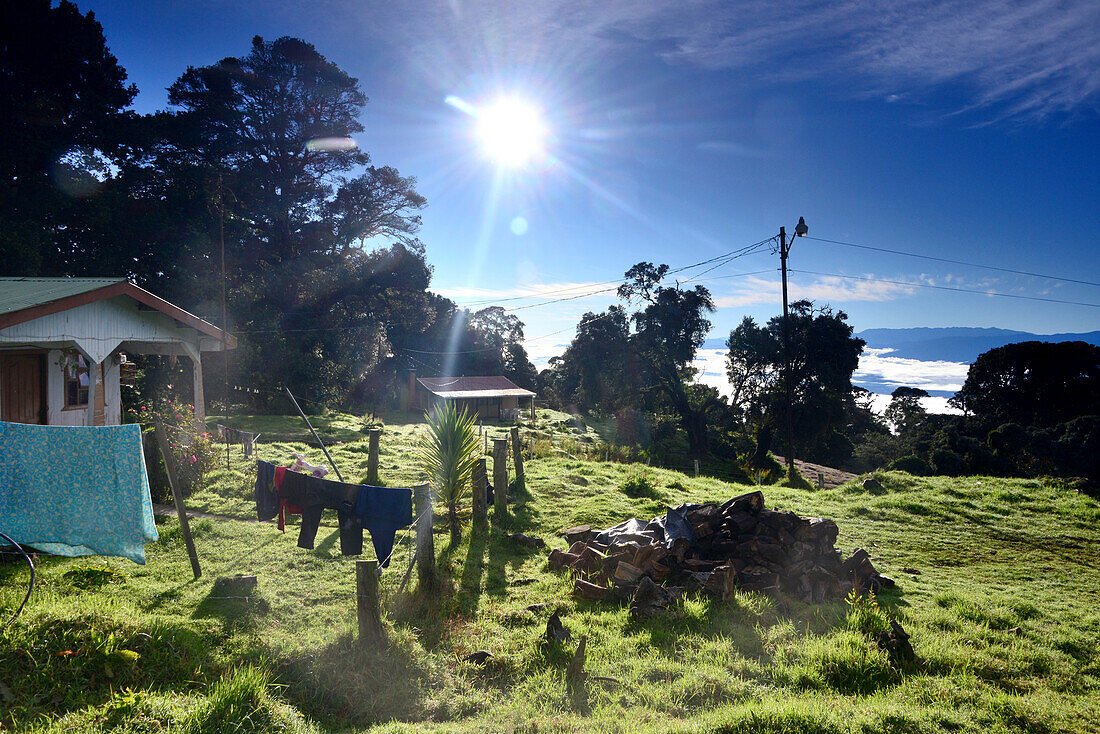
(631, 427)
(947, 462)
(864, 614)
(447, 453)
(911, 464)
(795, 480)
(639, 484)
(193, 448)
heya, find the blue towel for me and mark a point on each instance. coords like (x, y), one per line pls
(75, 491)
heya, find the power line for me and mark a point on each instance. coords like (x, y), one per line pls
(726, 257)
(950, 288)
(605, 315)
(954, 262)
(725, 260)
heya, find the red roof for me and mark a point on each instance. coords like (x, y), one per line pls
(473, 387)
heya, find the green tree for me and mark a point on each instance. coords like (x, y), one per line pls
(669, 328)
(1033, 384)
(275, 125)
(905, 411)
(824, 354)
(594, 372)
(64, 97)
(260, 149)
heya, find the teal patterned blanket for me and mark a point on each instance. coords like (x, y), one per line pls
(75, 491)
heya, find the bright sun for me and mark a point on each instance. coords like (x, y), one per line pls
(511, 131)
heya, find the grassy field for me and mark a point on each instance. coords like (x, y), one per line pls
(1003, 608)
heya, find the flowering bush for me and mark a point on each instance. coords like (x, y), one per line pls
(193, 448)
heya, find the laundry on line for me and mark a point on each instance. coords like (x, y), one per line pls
(380, 510)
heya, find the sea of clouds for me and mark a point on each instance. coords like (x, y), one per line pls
(878, 372)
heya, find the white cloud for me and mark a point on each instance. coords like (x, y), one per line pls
(875, 366)
(755, 290)
(932, 404)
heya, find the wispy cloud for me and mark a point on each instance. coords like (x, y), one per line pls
(1022, 59)
(1005, 58)
(831, 289)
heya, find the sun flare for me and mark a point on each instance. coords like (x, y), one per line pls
(511, 131)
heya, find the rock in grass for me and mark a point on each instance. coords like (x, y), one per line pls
(593, 592)
(527, 541)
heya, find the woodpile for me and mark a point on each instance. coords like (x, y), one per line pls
(714, 549)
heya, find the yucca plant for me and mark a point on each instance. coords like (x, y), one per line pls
(447, 454)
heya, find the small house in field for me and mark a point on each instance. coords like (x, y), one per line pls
(63, 342)
(484, 397)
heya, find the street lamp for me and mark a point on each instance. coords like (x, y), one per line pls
(800, 230)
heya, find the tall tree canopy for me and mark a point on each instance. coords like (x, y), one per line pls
(260, 151)
(669, 328)
(1033, 384)
(594, 373)
(905, 411)
(63, 95)
(275, 126)
(824, 354)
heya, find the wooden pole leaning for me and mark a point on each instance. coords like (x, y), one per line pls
(372, 457)
(177, 494)
(367, 607)
(517, 458)
(500, 476)
(480, 490)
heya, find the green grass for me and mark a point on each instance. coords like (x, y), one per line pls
(1004, 616)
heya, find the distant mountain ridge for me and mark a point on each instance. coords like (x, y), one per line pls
(946, 344)
(957, 344)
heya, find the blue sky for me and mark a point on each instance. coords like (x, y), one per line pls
(679, 131)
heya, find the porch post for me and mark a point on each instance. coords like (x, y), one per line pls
(199, 398)
(95, 387)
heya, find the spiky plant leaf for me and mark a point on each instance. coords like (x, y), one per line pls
(447, 453)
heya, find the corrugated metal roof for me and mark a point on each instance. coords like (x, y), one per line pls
(457, 388)
(17, 294)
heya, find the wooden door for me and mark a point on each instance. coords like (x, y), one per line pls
(23, 388)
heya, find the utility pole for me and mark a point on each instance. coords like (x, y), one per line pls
(800, 230)
(784, 250)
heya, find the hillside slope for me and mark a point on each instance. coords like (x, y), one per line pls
(998, 583)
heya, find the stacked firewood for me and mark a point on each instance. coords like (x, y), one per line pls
(714, 549)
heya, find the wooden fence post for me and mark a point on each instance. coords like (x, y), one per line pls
(500, 476)
(177, 495)
(425, 542)
(372, 457)
(480, 490)
(366, 603)
(517, 458)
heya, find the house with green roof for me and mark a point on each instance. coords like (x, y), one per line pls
(63, 342)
